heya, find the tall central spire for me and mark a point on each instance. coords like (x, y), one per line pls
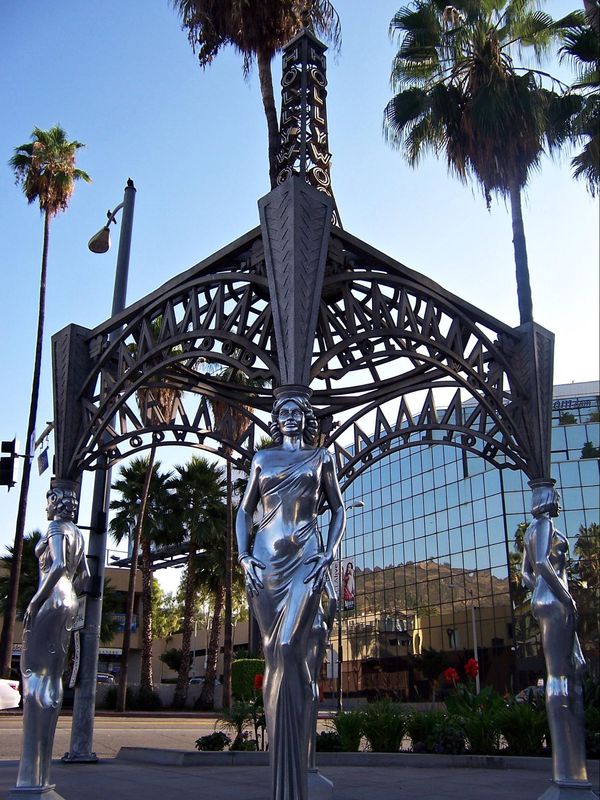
(304, 144)
(297, 215)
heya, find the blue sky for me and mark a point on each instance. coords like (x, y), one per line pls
(122, 78)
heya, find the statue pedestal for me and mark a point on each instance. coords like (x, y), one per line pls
(79, 758)
(569, 791)
(319, 787)
(34, 793)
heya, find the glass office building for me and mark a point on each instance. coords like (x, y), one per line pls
(436, 558)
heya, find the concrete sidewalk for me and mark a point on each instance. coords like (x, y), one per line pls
(156, 775)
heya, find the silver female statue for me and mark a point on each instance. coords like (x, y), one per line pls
(286, 566)
(46, 634)
(545, 573)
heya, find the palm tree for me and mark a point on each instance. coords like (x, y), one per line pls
(460, 93)
(200, 490)
(45, 169)
(582, 46)
(156, 525)
(231, 422)
(256, 31)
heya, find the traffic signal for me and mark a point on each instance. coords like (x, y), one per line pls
(8, 463)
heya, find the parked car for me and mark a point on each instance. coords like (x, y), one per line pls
(10, 697)
(530, 694)
(198, 680)
(105, 677)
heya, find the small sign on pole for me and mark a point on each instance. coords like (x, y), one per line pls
(43, 461)
(79, 622)
(76, 659)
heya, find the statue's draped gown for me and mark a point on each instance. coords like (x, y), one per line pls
(289, 615)
(45, 646)
(564, 660)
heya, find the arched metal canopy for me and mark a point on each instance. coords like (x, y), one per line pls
(394, 360)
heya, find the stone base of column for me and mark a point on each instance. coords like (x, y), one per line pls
(79, 758)
(560, 790)
(319, 787)
(34, 793)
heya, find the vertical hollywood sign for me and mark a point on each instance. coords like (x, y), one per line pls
(303, 128)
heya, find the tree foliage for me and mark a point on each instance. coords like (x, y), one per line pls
(159, 526)
(166, 612)
(45, 169)
(256, 31)
(200, 490)
(460, 92)
(581, 46)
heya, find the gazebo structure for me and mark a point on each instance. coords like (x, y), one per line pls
(299, 299)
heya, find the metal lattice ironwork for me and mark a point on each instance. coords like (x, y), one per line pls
(384, 335)
(394, 359)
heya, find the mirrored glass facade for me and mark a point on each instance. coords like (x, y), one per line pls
(436, 561)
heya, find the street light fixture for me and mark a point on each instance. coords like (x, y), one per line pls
(82, 726)
(474, 624)
(340, 657)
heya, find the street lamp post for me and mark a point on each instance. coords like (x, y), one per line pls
(474, 626)
(84, 701)
(340, 588)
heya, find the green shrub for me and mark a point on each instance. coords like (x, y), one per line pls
(243, 672)
(137, 699)
(420, 726)
(525, 727)
(384, 726)
(479, 716)
(448, 736)
(110, 698)
(143, 700)
(235, 720)
(592, 731)
(349, 727)
(328, 742)
(216, 741)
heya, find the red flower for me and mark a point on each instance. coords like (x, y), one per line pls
(451, 675)
(258, 682)
(471, 668)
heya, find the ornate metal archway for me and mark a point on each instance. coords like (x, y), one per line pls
(394, 359)
(389, 346)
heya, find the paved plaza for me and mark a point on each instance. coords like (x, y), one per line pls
(135, 774)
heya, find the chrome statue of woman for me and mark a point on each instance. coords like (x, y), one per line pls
(545, 573)
(46, 635)
(286, 565)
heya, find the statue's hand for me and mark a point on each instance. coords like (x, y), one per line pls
(30, 615)
(253, 582)
(318, 574)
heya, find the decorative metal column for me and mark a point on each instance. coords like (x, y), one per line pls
(304, 146)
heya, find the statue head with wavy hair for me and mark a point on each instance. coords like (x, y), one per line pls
(299, 396)
(62, 500)
(545, 498)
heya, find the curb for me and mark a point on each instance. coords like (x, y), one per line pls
(187, 758)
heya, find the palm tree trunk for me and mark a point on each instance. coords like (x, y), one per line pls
(266, 89)
(10, 612)
(122, 694)
(520, 248)
(207, 696)
(181, 688)
(146, 678)
(227, 622)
